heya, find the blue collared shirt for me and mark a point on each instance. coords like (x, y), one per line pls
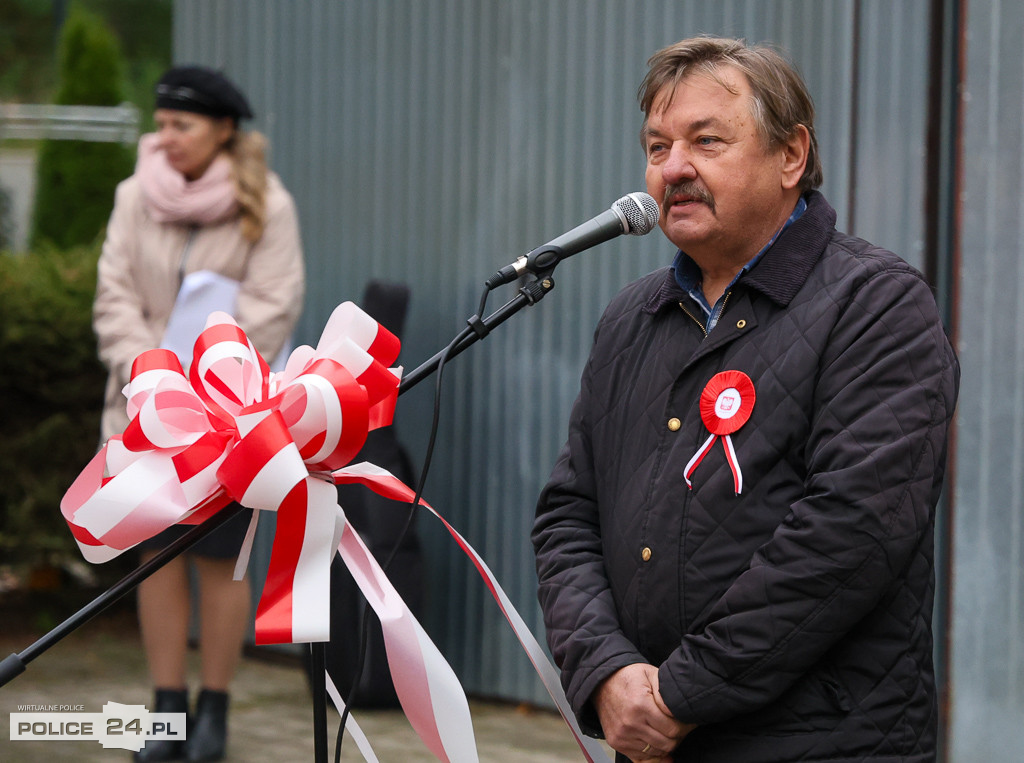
(689, 277)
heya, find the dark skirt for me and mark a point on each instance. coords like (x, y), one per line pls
(223, 543)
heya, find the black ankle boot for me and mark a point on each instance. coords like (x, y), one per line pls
(208, 736)
(167, 701)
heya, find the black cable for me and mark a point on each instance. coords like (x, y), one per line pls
(428, 456)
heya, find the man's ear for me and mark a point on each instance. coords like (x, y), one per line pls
(794, 156)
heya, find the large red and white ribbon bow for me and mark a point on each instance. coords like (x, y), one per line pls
(725, 405)
(231, 430)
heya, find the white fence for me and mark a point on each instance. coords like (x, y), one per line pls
(107, 124)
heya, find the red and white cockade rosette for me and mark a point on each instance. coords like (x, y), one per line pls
(231, 430)
(725, 406)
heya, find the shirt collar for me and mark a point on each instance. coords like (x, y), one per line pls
(688, 275)
(778, 276)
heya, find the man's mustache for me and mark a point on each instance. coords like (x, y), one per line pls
(689, 188)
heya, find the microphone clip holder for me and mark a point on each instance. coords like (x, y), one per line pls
(528, 294)
(532, 291)
(540, 262)
(535, 290)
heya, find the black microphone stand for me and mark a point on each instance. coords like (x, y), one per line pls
(14, 664)
(529, 294)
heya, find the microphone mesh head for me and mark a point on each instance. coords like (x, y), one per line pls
(641, 212)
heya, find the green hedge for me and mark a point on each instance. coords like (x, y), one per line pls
(51, 393)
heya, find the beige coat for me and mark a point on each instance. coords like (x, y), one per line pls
(140, 270)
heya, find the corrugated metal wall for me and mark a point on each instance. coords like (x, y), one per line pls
(988, 592)
(432, 142)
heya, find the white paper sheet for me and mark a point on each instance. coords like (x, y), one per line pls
(201, 293)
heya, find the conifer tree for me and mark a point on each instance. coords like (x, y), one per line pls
(76, 179)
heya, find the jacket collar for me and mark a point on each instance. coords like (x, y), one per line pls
(782, 270)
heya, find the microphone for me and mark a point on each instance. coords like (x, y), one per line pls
(635, 213)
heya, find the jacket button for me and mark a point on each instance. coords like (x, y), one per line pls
(741, 323)
(674, 424)
(646, 554)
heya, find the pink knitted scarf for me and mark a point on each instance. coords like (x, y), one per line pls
(170, 197)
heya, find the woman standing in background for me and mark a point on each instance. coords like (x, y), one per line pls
(201, 199)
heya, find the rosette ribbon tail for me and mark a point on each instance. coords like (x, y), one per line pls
(734, 464)
(730, 457)
(694, 462)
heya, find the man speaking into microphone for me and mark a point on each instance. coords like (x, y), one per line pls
(735, 547)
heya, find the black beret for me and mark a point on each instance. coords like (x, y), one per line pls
(203, 91)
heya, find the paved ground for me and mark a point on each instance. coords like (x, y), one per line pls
(271, 718)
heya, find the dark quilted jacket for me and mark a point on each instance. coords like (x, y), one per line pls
(792, 622)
